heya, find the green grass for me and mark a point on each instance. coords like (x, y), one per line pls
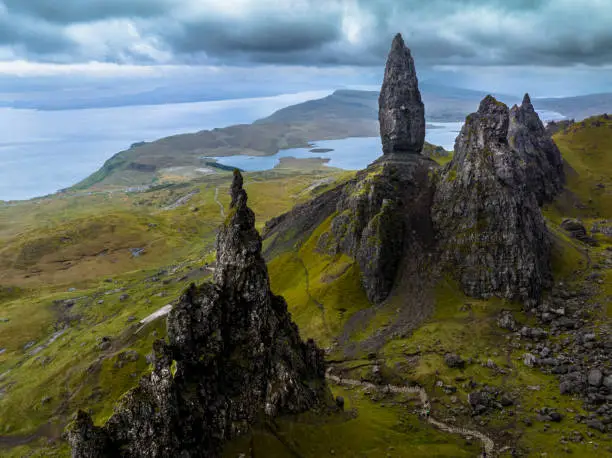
(587, 148)
(73, 372)
(367, 429)
(322, 291)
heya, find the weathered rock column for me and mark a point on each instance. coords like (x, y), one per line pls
(401, 110)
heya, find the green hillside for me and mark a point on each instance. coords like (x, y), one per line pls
(79, 271)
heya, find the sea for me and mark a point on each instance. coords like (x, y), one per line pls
(42, 152)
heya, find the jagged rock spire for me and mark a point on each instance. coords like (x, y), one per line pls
(233, 356)
(486, 215)
(541, 158)
(401, 110)
(240, 263)
(527, 102)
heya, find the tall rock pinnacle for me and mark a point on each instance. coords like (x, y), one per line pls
(401, 110)
(233, 356)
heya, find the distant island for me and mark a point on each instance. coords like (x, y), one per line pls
(321, 150)
(342, 114)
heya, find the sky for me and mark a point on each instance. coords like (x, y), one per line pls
(80, 53)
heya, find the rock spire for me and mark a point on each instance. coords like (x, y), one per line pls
(233, 355)
(401, 110)
(539, 154)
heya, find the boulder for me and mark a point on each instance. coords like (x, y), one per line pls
(454, 361)
(507, 321)
(576, 229)
(595, 377)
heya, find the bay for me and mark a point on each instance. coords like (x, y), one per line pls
(44, 151)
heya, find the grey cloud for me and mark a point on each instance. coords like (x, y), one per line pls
(269, 37)
(455, 32)
(71, 11)
(32, 37)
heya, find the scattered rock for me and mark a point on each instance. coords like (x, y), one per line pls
(454, 361)
(529, 360)
(507, 321)
(576, 229)
(137, 252)
(533, 333)
(596, 424)
(104, 344)
(595, 377)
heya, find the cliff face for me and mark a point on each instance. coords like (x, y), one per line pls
(381, 216)
(384, 213)
(538, 154)
(482, 210)
(233, 354)
(486, 213)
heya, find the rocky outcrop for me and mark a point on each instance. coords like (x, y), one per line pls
(233, 355)
(576, 229)
(401, 110)
(537, 152)
(384, 213)
(381, 216)
(489, 224)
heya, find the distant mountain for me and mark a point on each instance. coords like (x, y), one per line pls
(342, 114)
(578, 108)
(442, 104)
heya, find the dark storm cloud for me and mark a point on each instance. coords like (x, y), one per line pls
(268, 37)
(310, 32)
(70, 11)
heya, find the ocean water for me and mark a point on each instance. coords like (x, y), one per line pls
(354, 153)
(44, 151)
(348, 153)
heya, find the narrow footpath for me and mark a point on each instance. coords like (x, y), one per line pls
(487, 443)
(219, 203)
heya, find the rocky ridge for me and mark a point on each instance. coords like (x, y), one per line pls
(480, 214)
(538, 154)
(233, 356)
(486, 215)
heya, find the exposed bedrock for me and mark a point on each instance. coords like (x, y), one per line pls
(486, 214)
(233, 356)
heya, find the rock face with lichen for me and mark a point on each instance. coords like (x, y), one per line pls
(486, 213)
(401, 110)
(381, 217)
(539, 155)
(233, 355)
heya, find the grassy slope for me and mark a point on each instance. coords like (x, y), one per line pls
(39, 392)
(323, 292)
(469, 330)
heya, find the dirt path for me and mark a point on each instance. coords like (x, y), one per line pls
(487, 442)
(219, 203)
